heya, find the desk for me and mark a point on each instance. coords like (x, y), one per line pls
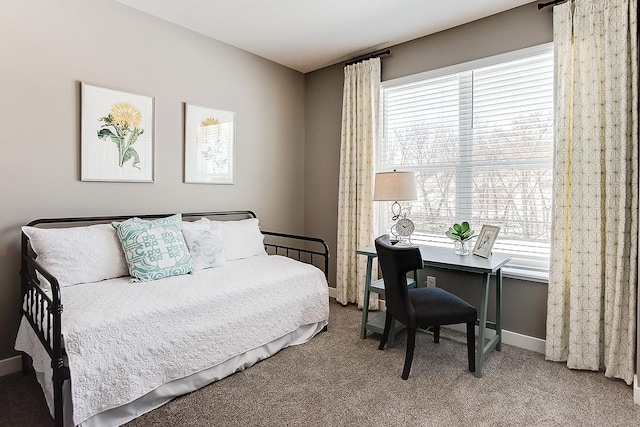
(446, 258)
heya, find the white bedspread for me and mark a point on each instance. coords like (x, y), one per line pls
(125, 339)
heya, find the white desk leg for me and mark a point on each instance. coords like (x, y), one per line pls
(482, 324)
(365, 301)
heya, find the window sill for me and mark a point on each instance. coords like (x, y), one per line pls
(528, 275)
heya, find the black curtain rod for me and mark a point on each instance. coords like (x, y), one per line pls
(368, 56)
(551, 3)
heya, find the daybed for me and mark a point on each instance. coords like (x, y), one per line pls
(117, 349)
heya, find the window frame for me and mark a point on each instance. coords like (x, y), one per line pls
(535, 270)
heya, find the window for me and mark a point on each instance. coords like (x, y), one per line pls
(480, 138)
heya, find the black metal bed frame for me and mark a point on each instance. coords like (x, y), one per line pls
(44, 313)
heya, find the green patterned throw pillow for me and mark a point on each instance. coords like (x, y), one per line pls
(154, 249)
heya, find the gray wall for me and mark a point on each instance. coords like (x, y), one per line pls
(524, 302)
(47, 47)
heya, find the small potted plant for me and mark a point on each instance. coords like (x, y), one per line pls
(461, 234)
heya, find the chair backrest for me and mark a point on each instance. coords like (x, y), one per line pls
(396, 262)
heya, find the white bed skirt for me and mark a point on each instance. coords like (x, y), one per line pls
(163, 394)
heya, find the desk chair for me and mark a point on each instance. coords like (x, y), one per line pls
(420, 307)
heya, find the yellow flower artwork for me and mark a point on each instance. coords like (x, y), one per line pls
(126, 114)
(209, 145)
(210, 121)
(122, 126)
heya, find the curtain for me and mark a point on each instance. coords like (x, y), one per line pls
(591, 319)
(360, 103)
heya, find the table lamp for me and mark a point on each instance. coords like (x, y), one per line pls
(397, 186)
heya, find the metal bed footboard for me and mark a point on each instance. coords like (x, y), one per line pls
(44, 312)
(314, 251)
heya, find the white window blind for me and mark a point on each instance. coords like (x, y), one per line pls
(481, 143)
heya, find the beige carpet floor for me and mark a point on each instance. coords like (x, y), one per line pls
(337, 379)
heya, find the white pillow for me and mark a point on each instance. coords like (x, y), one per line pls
(240, 239)
(205, 247)
(201, 224)
(79, 254)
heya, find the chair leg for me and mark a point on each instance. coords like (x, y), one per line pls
(436, 334)
(388, 320)
(408, 358)
(471, 345)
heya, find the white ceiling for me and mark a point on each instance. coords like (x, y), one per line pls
(310, 34)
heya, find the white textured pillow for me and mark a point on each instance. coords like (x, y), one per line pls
(205, 247)
(240, 239)
(79, 254)
(201, 224)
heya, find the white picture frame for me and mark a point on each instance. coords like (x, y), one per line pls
(117, 131)
(209, 145)
(486, 239)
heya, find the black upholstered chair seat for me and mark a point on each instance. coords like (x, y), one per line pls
(420, 307)
(435, 306)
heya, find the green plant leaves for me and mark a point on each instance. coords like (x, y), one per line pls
(106, 133)
(131, 154)
(119, 137)
(460, 232)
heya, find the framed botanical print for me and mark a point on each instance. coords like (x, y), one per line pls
(486, 239)
(117, 135)
(209, 151)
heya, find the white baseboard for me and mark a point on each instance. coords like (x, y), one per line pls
(636, 390)
(10, 365)
(510, 338)
(333, 292)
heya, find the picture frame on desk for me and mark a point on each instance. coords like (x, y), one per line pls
(486, 239)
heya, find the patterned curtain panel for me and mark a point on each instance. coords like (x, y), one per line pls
(591, 320)
(355, 201)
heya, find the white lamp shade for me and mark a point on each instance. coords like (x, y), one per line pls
(395, 186)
